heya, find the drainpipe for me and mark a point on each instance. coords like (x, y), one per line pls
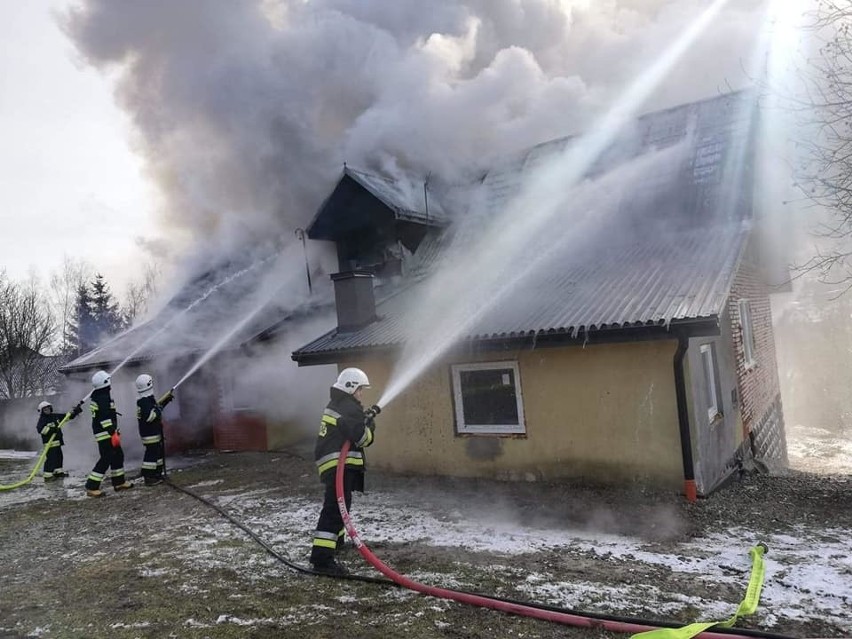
(683, 420)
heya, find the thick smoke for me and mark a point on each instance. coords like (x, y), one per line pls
(246, 111)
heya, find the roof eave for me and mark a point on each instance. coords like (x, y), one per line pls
(693, 327)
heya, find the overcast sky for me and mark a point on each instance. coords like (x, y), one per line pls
(69, 180)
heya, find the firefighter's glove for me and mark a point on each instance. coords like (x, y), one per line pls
(115, 439)
(370, 416)
(76, 411)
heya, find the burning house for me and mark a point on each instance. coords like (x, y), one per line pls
(636, 343)
(238, 394)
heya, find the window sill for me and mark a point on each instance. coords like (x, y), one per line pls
(497, 435)
(718, 419)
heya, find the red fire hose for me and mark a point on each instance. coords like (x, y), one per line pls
(481, 600)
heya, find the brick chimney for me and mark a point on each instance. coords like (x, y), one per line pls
(354, 298)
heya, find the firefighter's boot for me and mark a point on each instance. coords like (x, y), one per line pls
(97, 492)
(331, 568)
(125, 486)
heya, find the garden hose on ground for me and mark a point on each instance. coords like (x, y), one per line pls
(595, 620)
(39, 460)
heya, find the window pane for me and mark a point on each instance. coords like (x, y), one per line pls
(488, 397)
(709, 377)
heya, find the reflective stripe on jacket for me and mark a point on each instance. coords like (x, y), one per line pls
(342, 420)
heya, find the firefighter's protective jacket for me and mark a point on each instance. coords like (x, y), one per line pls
(149, 414)
(343, 419)
(47, 423)
(104, 418)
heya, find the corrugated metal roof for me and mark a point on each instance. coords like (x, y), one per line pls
(406, 198)
(656, 281)
(218, 301)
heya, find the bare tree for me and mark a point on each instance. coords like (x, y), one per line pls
(27, 331)
(64, 285)
(824, 110)
(140, 293)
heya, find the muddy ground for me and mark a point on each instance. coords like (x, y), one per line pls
(153, 562)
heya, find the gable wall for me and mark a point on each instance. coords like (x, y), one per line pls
(759, 388)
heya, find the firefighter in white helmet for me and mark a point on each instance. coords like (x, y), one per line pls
(343, 419)
(107, 437)
(149, 415)
(48, 427)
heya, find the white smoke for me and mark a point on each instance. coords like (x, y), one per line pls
(246, 111)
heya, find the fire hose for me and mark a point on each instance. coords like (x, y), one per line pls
(116, 441)
(39, 460)
(596, 619)
(655, 629)
(558, 616)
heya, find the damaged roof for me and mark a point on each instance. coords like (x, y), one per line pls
(669, 261)
(663, 281)
(224, 299)
(353, 204)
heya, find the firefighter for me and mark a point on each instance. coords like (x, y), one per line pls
(107, 436)
(149, 414)
(48, 425)
(343, 419)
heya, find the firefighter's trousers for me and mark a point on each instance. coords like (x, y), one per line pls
(152, 461)
(330, 531)
(112, 458)
(53, 460)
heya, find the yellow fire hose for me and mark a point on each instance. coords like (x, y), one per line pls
(40, 459)
(747, 606)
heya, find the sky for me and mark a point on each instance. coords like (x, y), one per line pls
(70, 182)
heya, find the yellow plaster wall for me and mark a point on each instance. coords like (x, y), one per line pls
(604, 412)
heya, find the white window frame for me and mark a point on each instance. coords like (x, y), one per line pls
(487, 429)
(747, 333)
(710, 382)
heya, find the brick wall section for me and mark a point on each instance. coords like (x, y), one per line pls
(758, 386)
(240, 432)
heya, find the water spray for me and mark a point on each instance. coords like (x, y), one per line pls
(122, 363)
(523, 220)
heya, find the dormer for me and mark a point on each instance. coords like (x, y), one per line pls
(375, 221)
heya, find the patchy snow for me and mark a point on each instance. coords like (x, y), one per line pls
(14, 470)
(209, 482)
(18, 454)
(130, 626)
(153, 572)
(807, 571)
(818, 450)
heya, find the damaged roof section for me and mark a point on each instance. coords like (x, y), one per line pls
(210, 306)
(680, 278)
(362, 199)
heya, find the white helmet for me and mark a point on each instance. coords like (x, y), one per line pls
(44, 405)
(100, 380)
(145, 385)
(351, 379)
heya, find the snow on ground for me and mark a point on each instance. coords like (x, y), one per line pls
(819, 450)
(808, 572)
(17, 454)
(808, 567)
